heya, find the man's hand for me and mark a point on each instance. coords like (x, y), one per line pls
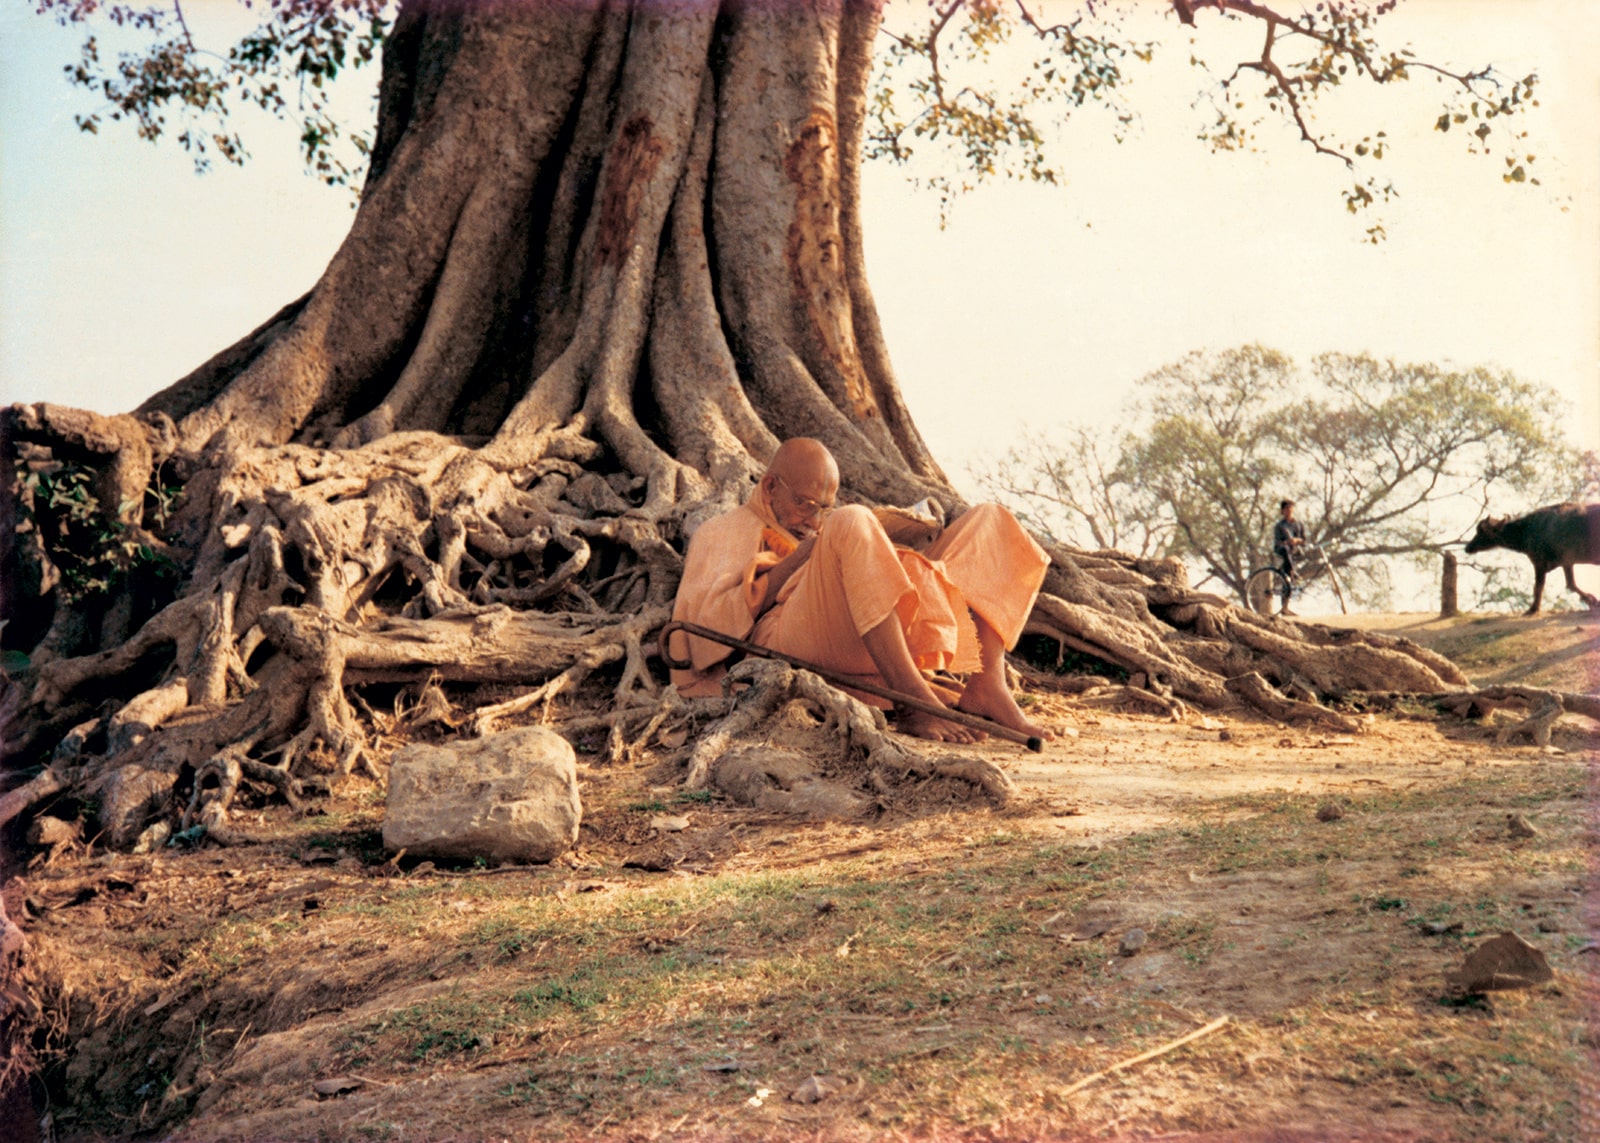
(782, 570)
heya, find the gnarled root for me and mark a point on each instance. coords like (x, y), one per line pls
(979, 771)
(1544, 708)
(765, 684)
(1256, 691)
(1537, 725)
(587, 651)
(1174, 708)
(768, 685)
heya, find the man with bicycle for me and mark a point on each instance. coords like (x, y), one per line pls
(1288, 536)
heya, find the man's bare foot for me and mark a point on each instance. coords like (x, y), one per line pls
(995, 702)
(920, 725)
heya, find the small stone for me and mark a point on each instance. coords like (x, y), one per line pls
(1505, 962)
(785, 782)
(1132, 941)
(1519, 826)
(1224, 736)
(337, 1086)
(673, 737)
(153, 838)
(815, 1089)
(49, 832)
(1330, 812)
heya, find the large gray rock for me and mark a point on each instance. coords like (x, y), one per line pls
(508, 797)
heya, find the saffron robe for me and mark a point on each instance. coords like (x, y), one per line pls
(854, 579)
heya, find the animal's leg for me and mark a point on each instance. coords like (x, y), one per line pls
(1538, 589)
(1589, 601)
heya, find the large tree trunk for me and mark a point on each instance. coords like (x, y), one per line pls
(609, 254)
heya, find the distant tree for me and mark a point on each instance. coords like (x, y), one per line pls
(1384, 459)
(1588, 481)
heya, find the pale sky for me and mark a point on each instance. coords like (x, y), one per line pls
(120, 269)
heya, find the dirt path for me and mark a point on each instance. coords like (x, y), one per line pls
(1134, 773)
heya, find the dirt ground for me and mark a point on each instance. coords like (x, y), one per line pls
(947, 968)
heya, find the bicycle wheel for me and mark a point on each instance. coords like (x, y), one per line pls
(1264, 591)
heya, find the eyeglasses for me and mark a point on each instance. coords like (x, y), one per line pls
(804, 503)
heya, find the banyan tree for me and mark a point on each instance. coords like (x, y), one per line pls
(607, 255)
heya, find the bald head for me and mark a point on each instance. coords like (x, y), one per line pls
(801, 482)
(807, 460)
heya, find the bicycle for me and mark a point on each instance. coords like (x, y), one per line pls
(1265, 588)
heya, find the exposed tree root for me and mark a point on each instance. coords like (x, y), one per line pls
(1175, 709)
(46, 783)
(762, 686)
(1255, 691)
(1543, 708)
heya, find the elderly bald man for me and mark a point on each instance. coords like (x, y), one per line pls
(790, 571)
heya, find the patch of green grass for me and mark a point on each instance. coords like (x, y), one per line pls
(1380, 904)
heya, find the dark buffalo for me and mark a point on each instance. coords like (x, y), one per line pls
(1554, 537)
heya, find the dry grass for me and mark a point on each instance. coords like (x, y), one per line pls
(928, 975)
(924, 963)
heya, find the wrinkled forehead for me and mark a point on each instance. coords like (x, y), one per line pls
(819, 485)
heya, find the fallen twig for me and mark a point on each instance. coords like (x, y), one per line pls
(1144, 1056)
(436, 872)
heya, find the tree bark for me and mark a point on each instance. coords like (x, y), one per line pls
(609, 254)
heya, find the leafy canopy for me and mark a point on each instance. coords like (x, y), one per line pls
(977, 85)
(286, 64)
(1383, 459)
(939, 88)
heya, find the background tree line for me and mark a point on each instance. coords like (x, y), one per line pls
(1384, 459)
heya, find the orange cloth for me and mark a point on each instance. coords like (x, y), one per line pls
(854, 580)
(720, 588)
